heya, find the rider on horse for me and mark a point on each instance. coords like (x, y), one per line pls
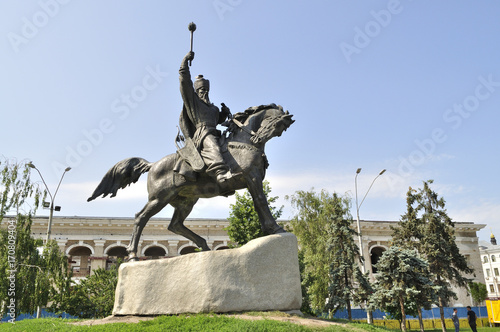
(199, 119)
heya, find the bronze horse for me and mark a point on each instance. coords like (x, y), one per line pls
(243, 151)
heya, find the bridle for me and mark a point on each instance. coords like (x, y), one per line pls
(242, 127)
(256, 137)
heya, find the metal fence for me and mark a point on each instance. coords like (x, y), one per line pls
(413, 324)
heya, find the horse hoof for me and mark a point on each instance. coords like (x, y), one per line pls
(276, 230)
(280, 230)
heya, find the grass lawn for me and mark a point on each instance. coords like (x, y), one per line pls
(199, 322)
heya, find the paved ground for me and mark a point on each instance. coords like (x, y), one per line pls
(307, 321)
(285, 317)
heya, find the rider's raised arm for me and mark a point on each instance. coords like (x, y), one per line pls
(186, 84)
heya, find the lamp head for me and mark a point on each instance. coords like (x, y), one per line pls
(30, 164)
(382, 172)
(358, 170)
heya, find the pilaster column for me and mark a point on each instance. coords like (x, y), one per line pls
(139, 248)
(62, 245)
(172, 248)
(98, 260)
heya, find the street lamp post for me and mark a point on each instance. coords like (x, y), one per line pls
(369, 316)
(52, 198)
(357, 221)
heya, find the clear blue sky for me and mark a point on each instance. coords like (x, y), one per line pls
(409, 86)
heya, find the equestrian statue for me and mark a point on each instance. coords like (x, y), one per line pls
(207, 163)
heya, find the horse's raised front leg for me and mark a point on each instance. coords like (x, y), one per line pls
(267, 221)
(151, 208)
(183, 207)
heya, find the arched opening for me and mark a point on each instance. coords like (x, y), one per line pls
(155, 252)
(222, 248)
(375, 255)
(114, 254)
(493, 259)
(80, 251)
(118, 251)
(485, 259)
(188, 250)
(78, 259)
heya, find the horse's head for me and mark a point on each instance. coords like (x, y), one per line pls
(261, 123)
(275, 121)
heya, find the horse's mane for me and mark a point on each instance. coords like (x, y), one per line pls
(243, 116)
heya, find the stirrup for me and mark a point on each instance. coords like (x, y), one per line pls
(221, 177)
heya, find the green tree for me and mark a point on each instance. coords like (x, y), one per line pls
(402, 278)
(244, 224)
(433, 233)
(347, 282)
(28, 278)
(304, 286)
(322, 226)
(479, 293)
(93, 297)
(410, 227)
(55, 264)
(311, 228)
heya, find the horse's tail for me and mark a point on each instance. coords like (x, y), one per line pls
(121, 175)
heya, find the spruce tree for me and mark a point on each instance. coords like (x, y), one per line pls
(402, 282)
(408, 234)
(432, 233)
(347, 283)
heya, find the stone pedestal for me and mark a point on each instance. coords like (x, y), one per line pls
(262, 275)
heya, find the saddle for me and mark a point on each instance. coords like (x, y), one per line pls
(189, 165)
(189, 162)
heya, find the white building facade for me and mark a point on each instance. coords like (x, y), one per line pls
(97, 242)
(376, 238)
(490, 258)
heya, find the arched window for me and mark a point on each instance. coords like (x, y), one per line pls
(80, 251)
(115, 252)
(79, 261)
(493, 258)
(485, 259)
(187, 250)
(155, 252)
(375, 254)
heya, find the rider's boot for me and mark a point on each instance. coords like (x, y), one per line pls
(223, 176)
